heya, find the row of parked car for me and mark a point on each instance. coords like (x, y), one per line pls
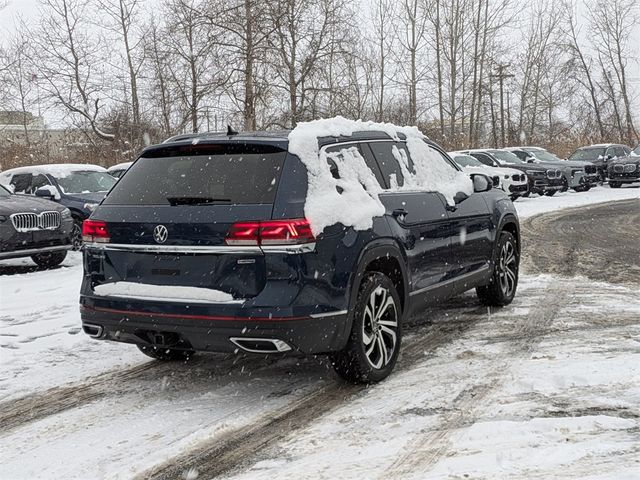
(31, 225)
(521, 171)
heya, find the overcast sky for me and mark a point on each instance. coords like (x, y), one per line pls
(28, 11)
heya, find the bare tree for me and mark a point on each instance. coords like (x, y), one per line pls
(244, 32)
(160, 90)
(195, 69)
(382, 22)
(301, 43)
(612, 21)
(579, 66)
(122, 20)
(71, 63)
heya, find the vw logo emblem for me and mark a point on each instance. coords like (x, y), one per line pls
(160, 234)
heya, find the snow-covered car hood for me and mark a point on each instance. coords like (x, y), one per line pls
(561, 164)
(26, 203)
(501, 171)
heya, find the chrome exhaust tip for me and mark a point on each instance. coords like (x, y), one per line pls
(260, 345)
(94, 331)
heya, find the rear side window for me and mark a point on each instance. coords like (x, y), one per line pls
(224, 174)
(338, 149)
(619, 151)
(21, 182)
(522, 155)
(483, 158)
(38, 182)
(391, 171)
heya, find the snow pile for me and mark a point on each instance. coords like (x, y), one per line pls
(353, 198)
(162, 292)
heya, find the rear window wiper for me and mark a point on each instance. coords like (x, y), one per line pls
(173, 201)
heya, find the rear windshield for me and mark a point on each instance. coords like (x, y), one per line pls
(225, 174)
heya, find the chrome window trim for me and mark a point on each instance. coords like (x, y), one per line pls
(302, 248)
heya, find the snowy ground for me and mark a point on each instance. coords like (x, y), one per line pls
(534, 205)
(548, 387)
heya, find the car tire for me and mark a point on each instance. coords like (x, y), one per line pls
(615, 184)
(373, 347)
(550, 193)
(504, 280)
(166, 354)
(49, 260)
(76, 234)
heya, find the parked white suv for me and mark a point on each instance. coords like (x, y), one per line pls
(513, 182)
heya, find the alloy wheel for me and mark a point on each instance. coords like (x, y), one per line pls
(507, 269)
(76, 236)
(379, 328)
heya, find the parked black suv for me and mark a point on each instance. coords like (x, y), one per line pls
(600, 155)
(33, 227)
(204, 245)
(623, 170)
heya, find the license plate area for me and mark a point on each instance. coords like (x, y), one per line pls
(223, 272)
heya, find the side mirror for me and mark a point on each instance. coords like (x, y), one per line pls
(48, 192)
(530, 160)
(481, 183)
(460, 197)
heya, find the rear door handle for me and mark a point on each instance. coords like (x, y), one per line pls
(400, 212)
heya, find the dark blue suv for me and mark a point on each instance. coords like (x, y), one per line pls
(204, 245)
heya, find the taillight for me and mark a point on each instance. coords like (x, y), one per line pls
(95, 231)
(270, 232)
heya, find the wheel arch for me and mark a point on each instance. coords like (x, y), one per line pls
(383, 255)
(509, 223)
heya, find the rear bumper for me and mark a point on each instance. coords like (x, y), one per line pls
(33, 251)
(308, 334)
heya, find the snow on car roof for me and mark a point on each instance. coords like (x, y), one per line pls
(479, 150)
(353, 199)
(120, 166)
(55, 169)
(526, 147)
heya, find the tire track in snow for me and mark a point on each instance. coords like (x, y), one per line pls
(574, 253)
(229, 451)
(22, 411)
(424, 451)
(19, 412)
